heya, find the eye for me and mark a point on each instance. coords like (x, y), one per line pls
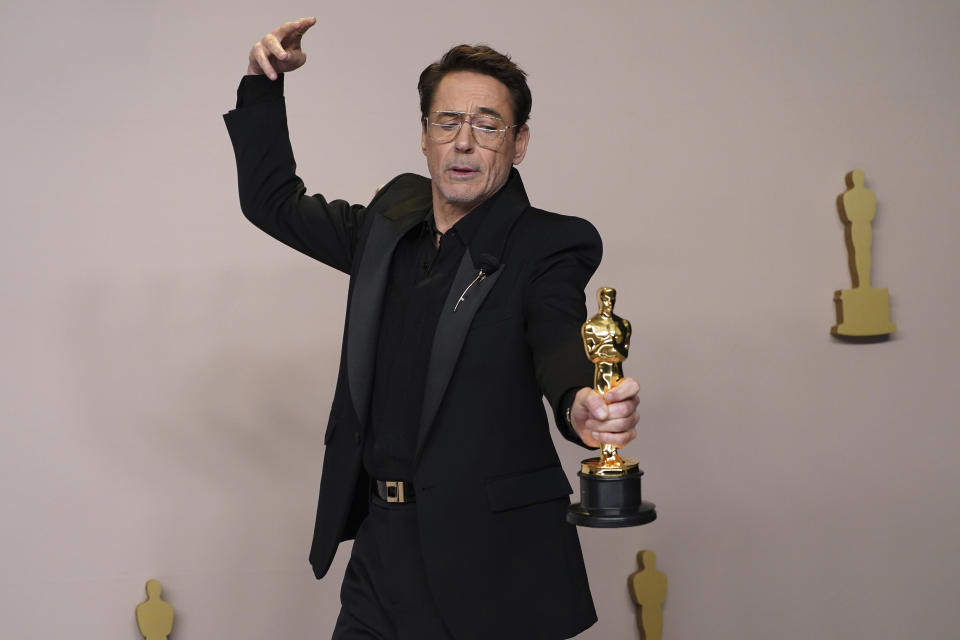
(486, 124)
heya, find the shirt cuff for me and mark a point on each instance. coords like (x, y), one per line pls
(563, 409)
(255, 89)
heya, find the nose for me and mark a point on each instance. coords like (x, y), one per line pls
(464, 141)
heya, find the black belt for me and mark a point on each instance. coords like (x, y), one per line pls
(394, 490)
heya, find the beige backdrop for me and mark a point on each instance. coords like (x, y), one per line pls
(168, 368)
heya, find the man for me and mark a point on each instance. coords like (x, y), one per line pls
(464, 309)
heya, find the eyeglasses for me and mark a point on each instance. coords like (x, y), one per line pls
(489, 131)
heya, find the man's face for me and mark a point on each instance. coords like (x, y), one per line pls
(465, 174)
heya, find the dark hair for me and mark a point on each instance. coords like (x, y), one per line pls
(480, 59)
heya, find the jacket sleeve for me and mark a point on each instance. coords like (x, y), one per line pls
(272, 196)
(555, 309)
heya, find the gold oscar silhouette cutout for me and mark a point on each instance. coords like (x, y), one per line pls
(610, 485)
(862, 312)
(154, 616)
(606, 339)
(648, 587)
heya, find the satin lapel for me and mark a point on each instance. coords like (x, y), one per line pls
(365, 308)
(452, 328)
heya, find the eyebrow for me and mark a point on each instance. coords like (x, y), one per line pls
(487, 111)
(490, 112)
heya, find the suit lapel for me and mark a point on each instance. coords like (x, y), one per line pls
(366, 303)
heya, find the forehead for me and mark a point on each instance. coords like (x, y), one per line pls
(469, 91)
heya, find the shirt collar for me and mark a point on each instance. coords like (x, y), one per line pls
(465, 228)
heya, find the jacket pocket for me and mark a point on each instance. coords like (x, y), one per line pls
(328, 434)
(523, 489)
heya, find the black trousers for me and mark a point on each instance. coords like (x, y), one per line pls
(385, 595)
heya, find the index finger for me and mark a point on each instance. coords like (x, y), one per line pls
(627, 388)
(296, 26)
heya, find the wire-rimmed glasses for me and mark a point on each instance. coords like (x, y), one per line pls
(488, 130)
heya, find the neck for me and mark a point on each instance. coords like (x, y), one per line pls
(446, 214)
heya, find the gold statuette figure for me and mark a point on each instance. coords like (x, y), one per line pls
(648, 587)
(154, 616)
(610, 485)
(606, 339)
(862, 312)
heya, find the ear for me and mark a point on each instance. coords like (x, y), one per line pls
(520, 144)
(423, 136)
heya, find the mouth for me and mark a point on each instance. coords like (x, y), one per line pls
(462, 171)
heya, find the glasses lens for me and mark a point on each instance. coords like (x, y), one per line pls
(488, 130)
(442, 126)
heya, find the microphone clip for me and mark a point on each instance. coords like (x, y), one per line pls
(480, 277)
(489, 264)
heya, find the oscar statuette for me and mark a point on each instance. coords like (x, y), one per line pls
(609, 484)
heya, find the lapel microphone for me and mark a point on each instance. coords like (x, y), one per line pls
(488, 265)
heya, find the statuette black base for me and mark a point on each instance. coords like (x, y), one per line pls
(607, 502)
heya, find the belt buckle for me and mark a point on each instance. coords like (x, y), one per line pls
(395, 491)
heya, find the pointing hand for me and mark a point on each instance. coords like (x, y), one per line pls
(279, 51)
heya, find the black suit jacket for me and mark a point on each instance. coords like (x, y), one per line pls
(491, 495)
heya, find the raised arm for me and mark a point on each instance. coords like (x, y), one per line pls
(272, 196)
